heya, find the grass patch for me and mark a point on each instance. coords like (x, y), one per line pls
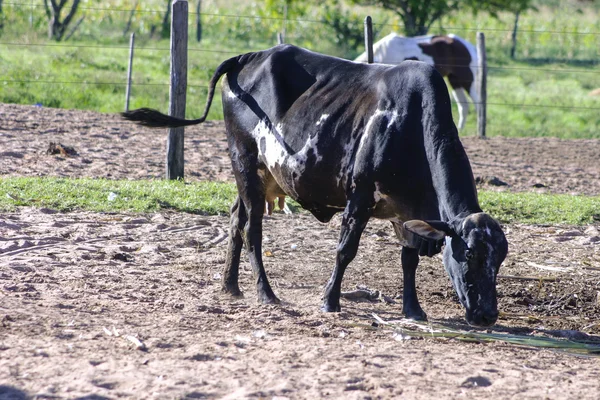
(103, 195)
(534, 208)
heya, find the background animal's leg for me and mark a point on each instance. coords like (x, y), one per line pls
(474, 97)
(234, 249)
(410, 303)
(463, 106)
(281, 202)
(356, 216)
(269, 207)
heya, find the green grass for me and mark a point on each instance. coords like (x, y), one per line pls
(534, 208)
(544, 92)
(110, 196)
(215, 198)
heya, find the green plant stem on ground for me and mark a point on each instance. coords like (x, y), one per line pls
(101, 195)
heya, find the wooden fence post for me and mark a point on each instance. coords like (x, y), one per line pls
(481, 85)
(179, 40)
(129, 70)
(369, 38)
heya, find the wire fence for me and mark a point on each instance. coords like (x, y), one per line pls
(572, 46)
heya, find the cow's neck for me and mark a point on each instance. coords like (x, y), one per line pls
(452, 178)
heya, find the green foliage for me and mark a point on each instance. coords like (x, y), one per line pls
(346, 26)
(216, 197)
(418, 16)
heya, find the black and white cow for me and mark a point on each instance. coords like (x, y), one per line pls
(366, 140)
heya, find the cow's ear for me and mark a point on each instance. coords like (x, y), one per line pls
(433, 230)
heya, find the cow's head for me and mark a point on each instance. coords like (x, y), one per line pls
(475, 248)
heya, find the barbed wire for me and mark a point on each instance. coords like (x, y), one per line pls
(206, 87)
(124, 47)
(232, 52)
(571, 31)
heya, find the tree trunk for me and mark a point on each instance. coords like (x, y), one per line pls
(513, 49)
(166, 22)
(198, 22)
(413, 26)
(130, 20)
(410, 25)
(56, 27)
(1, 17)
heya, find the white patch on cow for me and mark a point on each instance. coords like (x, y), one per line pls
(393, 49)
(348, 151)
(377, 196)
(345, 161)
(273, 153)
(322, 119)
(230, 94)
(391, 116)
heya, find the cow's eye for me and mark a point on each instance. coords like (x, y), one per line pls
(469, 254)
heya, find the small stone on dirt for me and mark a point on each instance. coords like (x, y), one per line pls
(59, 148)
(476, 381)
(490, 180)
(122, 257)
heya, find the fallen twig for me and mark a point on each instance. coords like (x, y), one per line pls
(361, 294)
(529, 278)
(548, 268)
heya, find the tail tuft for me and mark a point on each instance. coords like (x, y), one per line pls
(152, 118)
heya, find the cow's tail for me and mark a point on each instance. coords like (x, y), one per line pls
(155, 119)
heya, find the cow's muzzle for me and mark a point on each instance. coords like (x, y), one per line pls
(481, 318)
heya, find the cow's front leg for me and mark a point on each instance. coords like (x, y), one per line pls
(410, 303)
(355, 219)
(232, 263)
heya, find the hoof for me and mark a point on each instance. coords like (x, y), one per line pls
(330, 308)
(416, 315)
(233, 291)
(268, 299)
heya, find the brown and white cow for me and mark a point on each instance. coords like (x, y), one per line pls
(453, 57)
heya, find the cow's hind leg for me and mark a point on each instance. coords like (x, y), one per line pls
(232, 264)
(252, 193)
(253, 241)
(357, 214)
(410, 303)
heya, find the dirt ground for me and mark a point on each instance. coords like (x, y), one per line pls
(112, 305)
